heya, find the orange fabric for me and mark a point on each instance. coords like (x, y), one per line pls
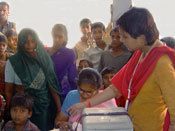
(143, 84)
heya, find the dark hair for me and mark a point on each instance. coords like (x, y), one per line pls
(23, 38)
(11, 32)
(22, 100)
(3, 38)
(98, 25)
(62, 28)
(108, 70)
(170, 41)
(85, 20)
(89, 62)
(116, 29)
(90, 76)
(4, 3)
(139, 21)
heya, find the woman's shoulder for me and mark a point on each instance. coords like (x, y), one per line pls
(164, 60)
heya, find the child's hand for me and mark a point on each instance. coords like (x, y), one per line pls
(64, 126)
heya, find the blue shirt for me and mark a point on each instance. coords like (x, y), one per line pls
(72, 98)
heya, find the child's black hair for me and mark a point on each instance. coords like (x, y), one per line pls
(11, 32)
(90, 76)
(170, 41)
(108, 70)
(116, 29)
(3, 38)
(23, 100)
(98, 25)
(85, 20)
(89, 62)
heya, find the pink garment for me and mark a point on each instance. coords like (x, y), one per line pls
(74, 120)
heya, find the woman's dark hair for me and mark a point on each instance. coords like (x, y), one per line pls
(89, 62)
(139, 21)
(62, 28)
(98, 25)
(85, 20)
(23, 38)
(11, 32)
(90, 76)
(23, 100)
(108, 70)
(3, 38)
(170, 41)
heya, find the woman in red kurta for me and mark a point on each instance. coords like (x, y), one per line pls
(147, 81)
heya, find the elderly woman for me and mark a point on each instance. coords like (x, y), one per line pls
(31, 71)
(147, 81)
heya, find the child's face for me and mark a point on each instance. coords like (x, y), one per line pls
(106, 79)
(82, 65)
(20, 114)
(12, 42)
(3, 47)
(59, 38)
(115, 40)
(97, 34)
(87, 91)
(85, 28)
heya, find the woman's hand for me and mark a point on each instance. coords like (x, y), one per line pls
(64, 126)
(57, 119)
(77, 108)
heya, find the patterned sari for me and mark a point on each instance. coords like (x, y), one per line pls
(36, 75)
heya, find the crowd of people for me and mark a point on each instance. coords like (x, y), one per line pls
(123, 65)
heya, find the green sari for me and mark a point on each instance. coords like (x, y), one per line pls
(36, 75)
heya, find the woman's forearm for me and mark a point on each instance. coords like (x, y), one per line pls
(8, 93)
(107, 94)
(56, 98)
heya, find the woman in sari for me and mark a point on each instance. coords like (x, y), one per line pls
(147, 81)
(3, 58)
(64, 60)
(31, 71)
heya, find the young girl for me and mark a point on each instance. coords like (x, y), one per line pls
(64, 60)
(89, 83)
(84, 64)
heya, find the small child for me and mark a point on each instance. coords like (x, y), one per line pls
(12, 37)
(107, 74)
(21, 111)
(85, 41)
(84, 64)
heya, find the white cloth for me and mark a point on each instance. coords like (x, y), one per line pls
(93, 54)
(120, 7)
(10, 75)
